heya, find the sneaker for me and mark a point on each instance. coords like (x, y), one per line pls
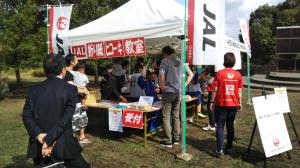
(175, 142)
(165, 144)
(201, 115)
(209, 128)
(85, 140)
(218, 153)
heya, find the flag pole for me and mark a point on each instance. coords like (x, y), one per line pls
(183, 155)
(249, 82)
(47, 24)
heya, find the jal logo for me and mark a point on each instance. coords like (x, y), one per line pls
(276, 142)
(230, 75)
(61, 23)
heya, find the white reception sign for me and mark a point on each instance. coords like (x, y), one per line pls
(284, 105)
(271, 124)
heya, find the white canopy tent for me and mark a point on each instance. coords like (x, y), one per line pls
(155, 20)
(158, 21)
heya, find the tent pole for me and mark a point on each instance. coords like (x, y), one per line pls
(183, 155)
(183, 101)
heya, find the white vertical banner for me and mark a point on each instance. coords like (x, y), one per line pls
(209, 30)
(244, 25)
(59, 22)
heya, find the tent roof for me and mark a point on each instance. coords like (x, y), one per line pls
(137, 18)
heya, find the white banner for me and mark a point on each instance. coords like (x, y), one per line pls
(244, 25)
(209, 30)
(271, 124)
(232, 44)
(59, 22)
(115, 119)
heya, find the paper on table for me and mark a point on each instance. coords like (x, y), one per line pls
(146, 100)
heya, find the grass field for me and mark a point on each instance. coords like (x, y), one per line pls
(128, 151)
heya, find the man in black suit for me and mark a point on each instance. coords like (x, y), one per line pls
(47, 116)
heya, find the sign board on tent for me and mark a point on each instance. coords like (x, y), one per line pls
(275, 137)
(58, 23)
(109, 49)
(206, 31)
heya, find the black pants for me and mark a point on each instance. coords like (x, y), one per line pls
(78, 162)
(225, 115)
(211, 113)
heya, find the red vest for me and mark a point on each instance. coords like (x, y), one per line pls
(228, 82)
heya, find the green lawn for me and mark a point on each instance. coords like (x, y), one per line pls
(128, 150)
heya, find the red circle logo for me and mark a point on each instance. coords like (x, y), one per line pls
(61, 23)
(276, 142)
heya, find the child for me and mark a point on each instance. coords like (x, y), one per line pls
(194, 90)
(210, 82)
(80, 119)
(80, 79)
(149, 85)
(135, 89)
(151, 88)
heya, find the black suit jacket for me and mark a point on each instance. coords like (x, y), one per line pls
(49, 109)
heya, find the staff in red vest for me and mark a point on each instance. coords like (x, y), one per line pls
(226, 100)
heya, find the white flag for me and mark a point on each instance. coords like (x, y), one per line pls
(244, 24)
(59, 22)
(209, 30)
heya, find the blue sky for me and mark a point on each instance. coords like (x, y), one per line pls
(240, 9)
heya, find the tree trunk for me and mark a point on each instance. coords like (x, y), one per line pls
(96, 73)
(18, 76)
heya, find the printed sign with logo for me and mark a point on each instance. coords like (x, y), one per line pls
(115, 119)
(132, 118)
(206, 31)
(58, 23)
(275, 137)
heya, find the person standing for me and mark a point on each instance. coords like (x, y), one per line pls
(80, 111)
(210, 87)
(135, 89)
(47, 117)
(226, 100)
(169, 79)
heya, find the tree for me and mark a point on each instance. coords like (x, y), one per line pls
(22, 40)
(263, 24)
(23, 30)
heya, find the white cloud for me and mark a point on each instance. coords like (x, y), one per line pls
(241, 9)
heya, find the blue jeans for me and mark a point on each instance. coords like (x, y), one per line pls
(225, 115)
